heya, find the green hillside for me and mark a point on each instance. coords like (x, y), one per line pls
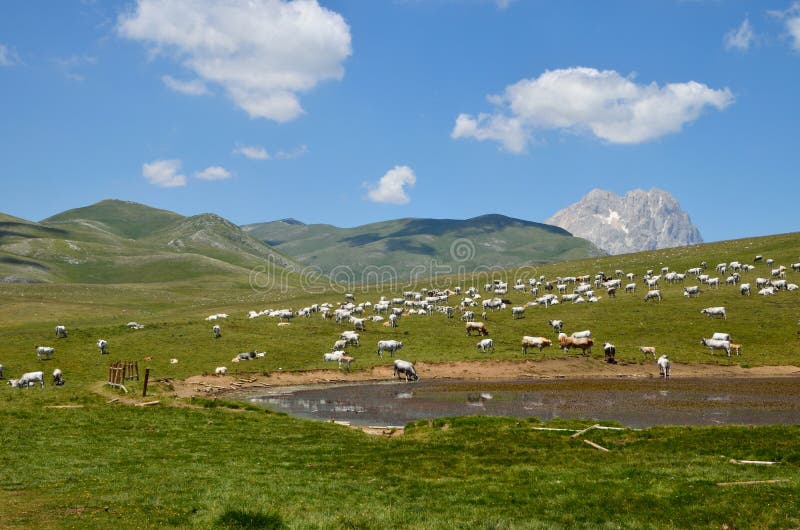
(421, 247)
(122, 242)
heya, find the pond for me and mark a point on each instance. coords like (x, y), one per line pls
(633, 403)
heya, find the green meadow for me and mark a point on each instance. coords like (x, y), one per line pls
(96, 463)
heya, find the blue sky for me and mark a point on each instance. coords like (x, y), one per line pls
(348, 112)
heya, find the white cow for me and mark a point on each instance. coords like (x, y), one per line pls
(28, 379)
(221, 370)
(44, 351)
(486, 344)
(663, 366)
(404, 368)
(103, 345)
(333, 356)
(216, 331)
(714, 312)
(58, 377)
(61, 332)
(716, 344)
(389, 345)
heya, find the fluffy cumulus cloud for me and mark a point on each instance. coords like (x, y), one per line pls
(195, 87)
(164, 173)
(391, 188)
(214, 173)
(603, 103)
(740, 38)
(262, 52)
(8, 57)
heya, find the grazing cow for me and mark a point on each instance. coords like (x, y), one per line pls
(716, 344)
(58, 377)
(404, 368)
(332, 356)
(630, 288)
(557, 325)
(221, 370)
(712, 312)
(566, 343)
(61, 332)
(517, 312)
(486, 344)
(745, 289)
(654, 294)
(479, 327)
(648, 350)
(216, 331)
(610, 352)
(27, 380)
(389, 345)
(339, 345)
(534, 342)
(585, 334)
(663, 366)
(103, 345)
(351, 337)
(692, 290)
(44, 351)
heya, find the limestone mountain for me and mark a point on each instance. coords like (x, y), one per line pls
(641, 220)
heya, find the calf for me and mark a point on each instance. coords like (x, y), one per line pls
(648, 350)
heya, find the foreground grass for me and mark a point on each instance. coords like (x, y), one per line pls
(113, 466)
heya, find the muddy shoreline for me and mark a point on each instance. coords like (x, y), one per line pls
(541, 369)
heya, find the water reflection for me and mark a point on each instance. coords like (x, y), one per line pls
(639, 403)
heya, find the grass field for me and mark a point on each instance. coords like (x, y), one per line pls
(188, 464)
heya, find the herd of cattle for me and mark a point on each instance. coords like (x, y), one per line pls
(545, 293)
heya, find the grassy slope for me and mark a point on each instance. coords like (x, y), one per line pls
(193, 467)
(120, 242)
(122, 218)
(495, 241)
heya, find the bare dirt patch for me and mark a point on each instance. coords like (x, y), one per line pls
(573, 368)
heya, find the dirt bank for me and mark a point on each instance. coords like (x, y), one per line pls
(576, 368)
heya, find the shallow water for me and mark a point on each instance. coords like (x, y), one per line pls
(639, 403)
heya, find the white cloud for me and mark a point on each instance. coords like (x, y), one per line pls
(603, 103)
(195, 87)
(69, 65)
(164, 173)
(297, 152)
(214, 173)
(8, 57)
(391, 187)
(508, 131)
(263, 52)
(253, 152)
(740, 38)
(791, 17)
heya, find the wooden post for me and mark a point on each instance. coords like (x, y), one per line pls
(146, 378)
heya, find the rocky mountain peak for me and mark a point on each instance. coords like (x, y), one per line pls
(641, 220)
